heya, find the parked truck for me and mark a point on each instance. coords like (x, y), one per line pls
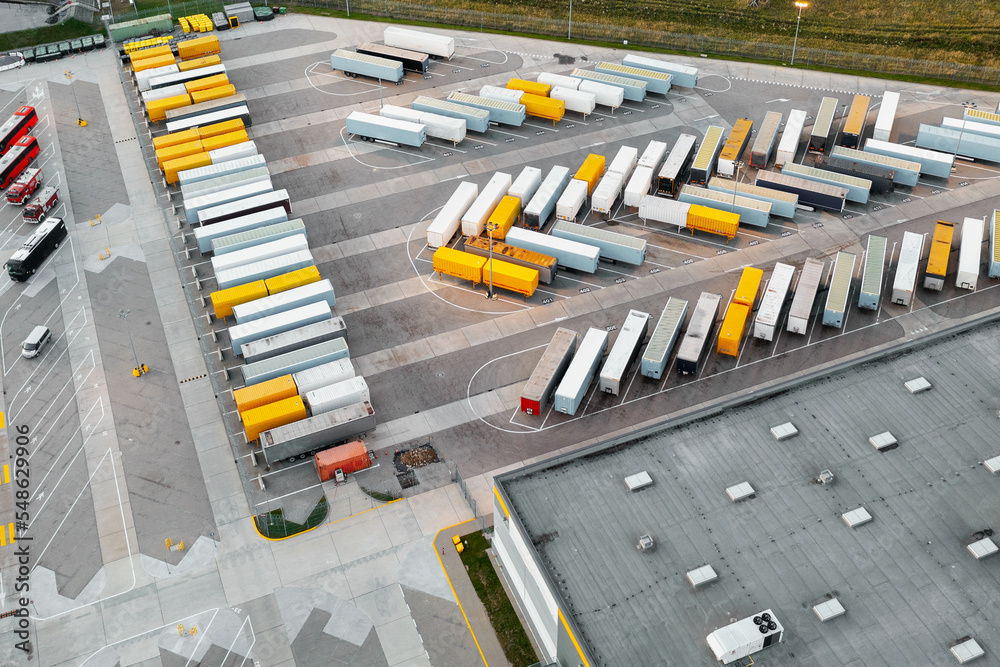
(370, 127)
(24, 186)
(43, 202)
(353, 64)
(316, 433)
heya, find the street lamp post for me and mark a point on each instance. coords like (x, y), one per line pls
(79, 118)
(961, 133)
(569, 30)
(739, 165)
(801, 6)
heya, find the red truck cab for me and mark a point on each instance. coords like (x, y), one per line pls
(24, 186)
(37, 208)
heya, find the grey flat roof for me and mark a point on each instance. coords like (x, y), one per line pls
(910, 583)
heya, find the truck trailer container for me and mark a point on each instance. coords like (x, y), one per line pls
(675, 169)
(501, 93)
(558, 81)
(412, 61)
(204, 236)
(198, 47)
(572, 198)
(805, 295)
(984, 129)
(254, 396)
(666, 211)
(435, 125)
(206, 109)
(733, 327)
(292, 279)
(783, 204)
(665, 335)
(262, 270)
(708, 153)
(937, 260)
(569, 254)
(811, 193)
(545, 265)
(503, 113)
(246, 206)
(606, 194)
(543, 203)
(297, 362)
(353, 64)
(296, 339)
(624, 161)
(823, 124)
(614, 246)
(573, 387)
(279, 323)
(163, 93)
(281, 302)
(840, 288)
(959, 142)
(224, 300)
(142, 78)
(788, 146)
(994, 265)
(713, 221)
(377, 128)
(513, 277)
(503, 217)
(652, 155)
(575, 100)
(238, 112)
(440, 46)
(854, 126)
(871, 279)
(347, 459)
(532, 87)
(858, 189)
(638, 186)
(748, 287)
(970, 253)
(886, 115)
(157, 109)
(767, 138)
(338, 395)
(604, 93)
(656, 81)
(623, 353)
(880, 177)
(905, 172)
(632, 89)
(681, 75)
(694, 343)
(906, 268)
(474, 219)
(548, 371)
(476, 120)
(449, 218)
(315, 433)
(543, 107)
(751, 211)
(198, 203)
(198, 63)
(525, 185)
(220, 183)
(458, 264)
(733, 149)
(769, 313)
(174, 78)
(272, 415)
(590, 171)
(322, 375)
(932, 163)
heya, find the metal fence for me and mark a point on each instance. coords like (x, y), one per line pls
(456, 477)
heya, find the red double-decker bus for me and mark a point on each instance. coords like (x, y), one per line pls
(17, 159)
(16, 127)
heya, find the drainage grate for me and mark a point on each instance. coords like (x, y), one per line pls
(407, 480)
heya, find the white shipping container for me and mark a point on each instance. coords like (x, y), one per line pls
(323, 375)
(449, 218)
(192, 176)
(623, 352)
(558, 80)
(234, 152)
(296, 297)
(502, 94)
(436, 125)
(906, 268)
(970, 253)
(667, 211)
(605, 94)
(525, 185)
(220, 183)
(475, 218)
(805, 295)
(581, 371)
(143, 78)
(163, 93)
(279, 323)
(540, 207)
(624, 161)
(199, 203)
(338, 395)
(606, 193)
(576, 100)
(571, 200)
(886, 116)
(791, 137)
(419, 41)
(205, 235)
(259, 253)
(774, 298)
(638, 186)
(262, 270)
(653, 155)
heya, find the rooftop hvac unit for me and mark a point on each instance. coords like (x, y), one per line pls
(646, 543)
(638, 481)
(825, 477)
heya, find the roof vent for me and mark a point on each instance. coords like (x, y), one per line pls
(784, 431)
(993, 464)
(967, 649)
(883, 442)
(858, 517)
(917, 385)
(638, 481)
(829, 610)
(740, 491)
(705, 574)
(984, 548)
(646, 543)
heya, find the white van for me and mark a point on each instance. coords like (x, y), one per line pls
(36, 340)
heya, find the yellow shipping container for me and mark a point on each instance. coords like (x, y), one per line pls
(256, 395)
(511, 277)
(590, 171)
(746, 291)
(169, 153)
(448, 261)
(198, 63)
(212, 93)
(713, 221)
(532, 87)
(292, 279)
(176, 138)
(224, 300)
(937, 260)
(543, 107)
(732, 329)
(198, 47)
(503, 218)
(151, 63)
(157, 109)
(171, 168)
(207, 82)
(223, 140)
(225, 127)
(273, 415)
(153, 52)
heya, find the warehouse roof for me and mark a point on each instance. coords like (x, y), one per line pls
(908, 583)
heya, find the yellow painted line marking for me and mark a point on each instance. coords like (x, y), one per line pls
(503, 505)
(10, 529)
(6, 473)
(1, 420)
(3, 538)
(453, 589)
(572, 637)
